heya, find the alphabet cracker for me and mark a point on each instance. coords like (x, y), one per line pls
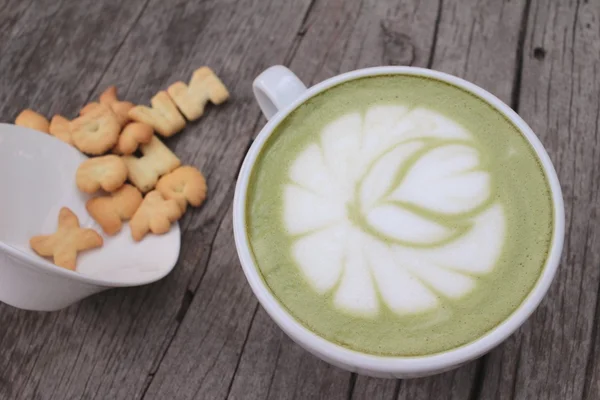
(67, 241)
(185, 185)
(163, 116)
(107, 172)
(134, 134)
(192, 99)
(97, 131)
(110, 211)
(31, 119)
(109, 98)
(157, 161)
(60, 128)
(155, 215)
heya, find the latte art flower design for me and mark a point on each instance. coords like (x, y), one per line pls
(395, 206)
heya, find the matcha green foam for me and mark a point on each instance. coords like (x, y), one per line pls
(398, 216)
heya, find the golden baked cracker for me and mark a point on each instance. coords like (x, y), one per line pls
(60, 127)
(88, 108)
(31, 119)
(67, 241)
(120, 108)
(97, 131)
(109, 95)
(155, 215)
(110, 211)
(107, 172)
(192, 99)
(185, 185)
(163, 116)
(109, 99)
(157, 160)
(134, 134)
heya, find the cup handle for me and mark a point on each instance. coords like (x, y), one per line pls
(276, 88)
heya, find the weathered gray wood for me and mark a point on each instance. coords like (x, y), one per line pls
(200, 333)
(51, 64)
(366, 387)
(110, 346)
(50, 59)
(273, 367)
(555, 356)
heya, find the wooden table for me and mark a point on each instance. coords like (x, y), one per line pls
(200, 333)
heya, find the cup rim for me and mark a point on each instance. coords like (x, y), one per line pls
(397, 364)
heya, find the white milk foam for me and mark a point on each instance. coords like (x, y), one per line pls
(389, 168)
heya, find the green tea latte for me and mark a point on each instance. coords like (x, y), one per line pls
(398, 215)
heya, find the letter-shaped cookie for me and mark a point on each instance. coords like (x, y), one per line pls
(163, 116)
(157, 160)
(133, 135)
(185, 185)
(60, 128)
(204, 86)
(106, 172)
(109, 98)
(67, 241)
(110, 211)
(120, 108)
(155, 215)
(97, 131)
(30, 119)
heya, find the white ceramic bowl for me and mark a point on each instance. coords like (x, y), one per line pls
(278, 92)
(37, 178)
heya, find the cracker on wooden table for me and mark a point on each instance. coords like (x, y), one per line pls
(68, 240)
(192, 99)
(156, 161)
(163, 116)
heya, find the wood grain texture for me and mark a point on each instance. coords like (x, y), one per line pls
(555, 355)
(199, 333)
(110, 346)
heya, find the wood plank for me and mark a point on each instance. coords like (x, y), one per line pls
(50, 63)
(459, 384)
(110, 346)
(12, 12)
(555, 354)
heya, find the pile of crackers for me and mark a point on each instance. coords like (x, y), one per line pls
(122, 140)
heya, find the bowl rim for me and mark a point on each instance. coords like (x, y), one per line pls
(41, 264)
(353, 359)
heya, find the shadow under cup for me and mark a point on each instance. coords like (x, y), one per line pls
(387, 344)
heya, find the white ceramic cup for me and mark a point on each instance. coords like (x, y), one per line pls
(37, 179)
(278, 92)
